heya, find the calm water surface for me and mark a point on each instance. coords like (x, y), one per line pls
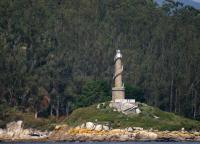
(104, 143)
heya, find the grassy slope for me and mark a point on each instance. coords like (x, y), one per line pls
(166, 120)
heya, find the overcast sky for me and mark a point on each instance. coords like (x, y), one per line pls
(196, 1)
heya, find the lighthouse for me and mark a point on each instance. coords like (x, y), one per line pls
(118, 91)
(119, 103)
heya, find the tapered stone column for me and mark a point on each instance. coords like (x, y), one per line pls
(118, 91)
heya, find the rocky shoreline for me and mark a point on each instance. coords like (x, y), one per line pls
(93, 132)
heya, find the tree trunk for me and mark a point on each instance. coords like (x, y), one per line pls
(171, 96)
(36, 114)
(57, 111)
(67, 108)
(57, 107)
(176, 101)
(51, 111)
(195, 104)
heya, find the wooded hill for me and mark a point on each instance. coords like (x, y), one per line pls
(56, 56)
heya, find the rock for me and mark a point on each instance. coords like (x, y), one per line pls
(129, 129)
(138, 111)
(57, 127)
(106, 128)
(14, 130)
(144, 135)
(125, 106)
(99, 128)
(10, 134)
(98, 138)
(77, 128)
(62, 127)
(83, 125)
(1, 131)
(101, 105)
(151, 129)
(124, 137)
(98, 106)
(14, 126)
(26, 132)
(117, 131)
(90, 125)
(156, 117)
(137, 128)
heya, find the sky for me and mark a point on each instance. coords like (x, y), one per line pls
(196, 0)
(194, 3)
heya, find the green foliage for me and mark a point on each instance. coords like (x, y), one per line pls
(133, 92)
(94, 92)
(61, 46)
(8, 114)
(165, 120)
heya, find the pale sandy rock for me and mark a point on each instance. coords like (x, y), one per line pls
(77, 128)
(144, 135)
(90, 126)
(117, 131)
(98, 127)
(26, 132)
(156, 117)
(10, 134)
(2, 131)
(137, 128)
(98, 106)
(106, 128)
(61, 127)
(57, 127)
(196, 133)
(129, 129)
(197, 138)
(182, 129)
(83, 125)
(138, 111)
(14, 126)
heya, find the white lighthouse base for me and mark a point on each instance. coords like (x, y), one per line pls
(118, 93)
(126, 106)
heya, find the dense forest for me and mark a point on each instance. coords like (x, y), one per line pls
(57, 55)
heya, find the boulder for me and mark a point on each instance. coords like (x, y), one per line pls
(129, 129)
(98, 127)
(90, 125)
(98, 106)
(14, 130)
(156, 117)
(82, 126)
(124, 137)
(137, 128)
(15, 127)
(1, 131)
(183, 129)
(26, 132)
(138, 111)
(101, 105)
(62, 127)
(144, 135)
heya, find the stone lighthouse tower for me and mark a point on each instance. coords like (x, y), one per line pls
(118, 91)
